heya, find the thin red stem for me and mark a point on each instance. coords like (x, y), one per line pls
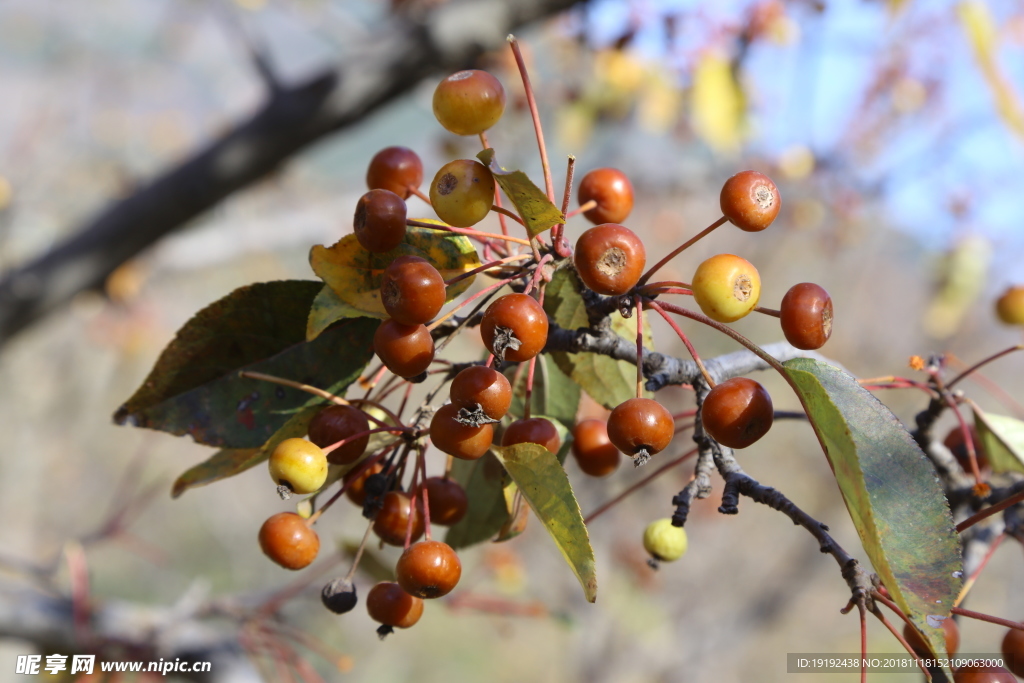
(768, 311)
(416, 191)
(559, 230)
(466, 231)
(532, 102)
(640, 484)
(462, 304)
(349, 439)
(497, 190)
(486, 266)
(421, 460)
(983, 362)
(685, 339)
(528, 394)
(639, 346)
(989, 511)
(981, 616)
(965, 432)
(502, 211)
(582, 208)
(366, 464)
(678, 250)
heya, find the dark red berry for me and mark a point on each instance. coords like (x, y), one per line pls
(335, 423)
(1013, 650)
(446, 500)
(396, 169)
(950, 632)
(406, 350)
(388, 604)
(532, 430)
(392, 522)
(485, 387)
(610, 259)
(456, 439)
(356, 482)
(750, 201)
(514, 327)
(806, 316)
(379, 222)
(983, 674)
(412, 290)
(612, 191)
(428, 569)
(594, 451)
(954, 441)
(640, 427)
(737, 412)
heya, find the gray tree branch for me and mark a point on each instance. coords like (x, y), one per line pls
(292, 118)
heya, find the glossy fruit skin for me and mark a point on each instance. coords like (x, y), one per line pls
(446, 500)
(983, 674)
(458, 440)
(527, 320)
(462, 192)
(951, 633)
(481, 386)
(469, 102)
(532, 430)
(750, 201)
(612, 191)
(737, 412)
(356, 490)
(610, 259)
(412, 290)
(335, 423)
(287, 540)
(299, 465)
(1010, 306)
(726, 287)
(395, 169)
(379, 222)
(388, 604)
(806, 316)
(594, 451)
(1013, 650)
(392, 521)
(428, 569)
(665, 542)
(407, 350)
(640, 424)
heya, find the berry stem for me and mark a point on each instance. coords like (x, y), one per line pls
(893, 630)
(348, 439)
(416, 191)
(486, 266)
(965, 432)
(501, 211)
(316, 391)
(985, 361)
(969, 583)
(863, 642)
(768, 311)
(592, 204)
(432, 326)
(497, 189)
(359, 552)
(685, 339)
(414, 487)
(532, 102)
(685, 245)
(537, 273)
(981, 616)
(639, 346)
(666, 290)
(363, 467)
(989, 511)
(640, 484)
(992, 388)
(467, 232)
(528, 394)
(725, 329)
(421, 461)
(557, 232)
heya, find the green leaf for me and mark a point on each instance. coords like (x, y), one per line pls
(533, 206)
(607, 381)
(326, 310)
(545, 486)
(355, 274)
(229, 462)
(555, 395)
(483, 480)
(891, 491)
(1003, 440)
(195, 388)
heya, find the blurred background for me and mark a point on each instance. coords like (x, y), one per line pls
(893, 130)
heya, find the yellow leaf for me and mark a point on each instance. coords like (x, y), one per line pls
(718, 104)
(980, 28)
(354, 274)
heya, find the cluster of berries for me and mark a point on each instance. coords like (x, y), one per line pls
(609, 259)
